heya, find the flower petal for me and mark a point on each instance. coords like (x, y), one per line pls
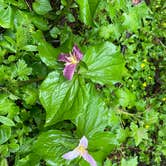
(76, 51)
(63, 57)
(89, 159)
(83, 142)
(71, 155)
(68, 71)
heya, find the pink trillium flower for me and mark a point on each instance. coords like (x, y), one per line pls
(71, 60)
(81, 150)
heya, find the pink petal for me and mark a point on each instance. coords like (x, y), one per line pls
(63, 57)
(68, 71)
(89, 159)
(83, 142)
(71, 155)
(76, 51)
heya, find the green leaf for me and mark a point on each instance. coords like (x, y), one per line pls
(125, 97)
(132, 19)
(87, 10)
(50, 146)
(105, 65)
(61, 98)
(7, 106)
(6, 121)
(3, 162)
(132, 161)
(48, 54)
(5, 133)
(40, 23)
(41, 7)
(93, 116)
(22, 71)
(138, 133)
(6, 17)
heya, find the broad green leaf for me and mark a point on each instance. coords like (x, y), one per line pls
(138, 133)
(61, 98)
(6, 17)
(48, 54)
(6, 121)
(5, 133)
(103, 141)
(105, 65)
(87, 10)
(93, 116)
(41, 7)
(50, 146)
(132, 162)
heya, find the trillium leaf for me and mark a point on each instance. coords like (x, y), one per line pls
(41, 7)
(50, 146)
(87, 10)
(105, 64)
(93, 116)
(61, 98)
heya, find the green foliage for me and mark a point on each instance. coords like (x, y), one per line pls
(116, 97)
(41, 7)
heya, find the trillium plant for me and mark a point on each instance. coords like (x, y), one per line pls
(81, 150)
(71, 60)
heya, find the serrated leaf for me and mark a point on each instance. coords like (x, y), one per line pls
(7, 106)
(125, 97)
(61, 98)
(41, 7)
(6, 121)
(138, 133)
(105, 65)
(5, 133)
(132, 161)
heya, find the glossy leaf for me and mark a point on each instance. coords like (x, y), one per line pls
(6, 121)
(93, 116)
(87, 10)
(50, 146)
(6, 17)
(5, 133)
(48, 54)
(42, 7)
(105, 65)
(61, 98)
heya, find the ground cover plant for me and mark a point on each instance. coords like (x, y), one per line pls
(82, 82)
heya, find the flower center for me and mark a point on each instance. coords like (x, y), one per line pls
(81, 150)
(73, 59)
